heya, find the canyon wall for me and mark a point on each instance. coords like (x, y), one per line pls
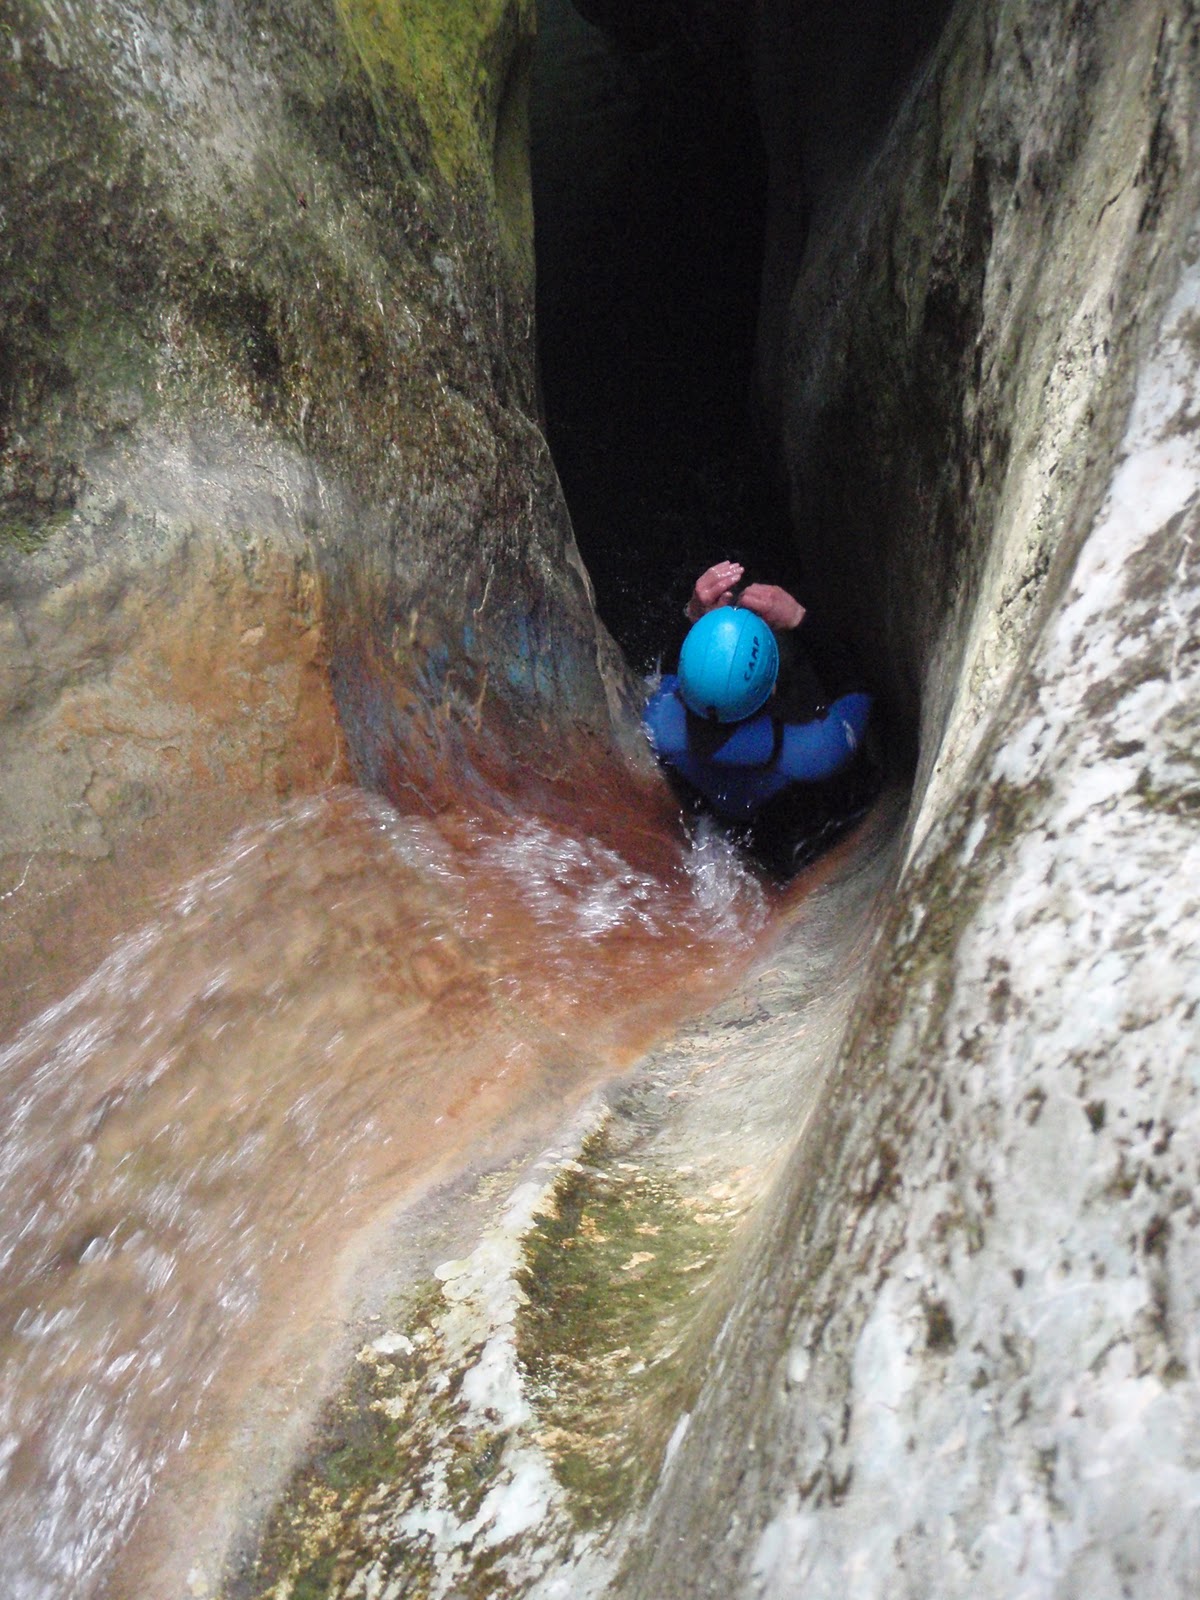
(882, 1279)
(275, 509)
(963, 1358)
(895, 1285)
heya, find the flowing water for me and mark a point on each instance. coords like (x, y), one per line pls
(192, 1140)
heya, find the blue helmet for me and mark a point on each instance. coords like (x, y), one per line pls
(728, 664)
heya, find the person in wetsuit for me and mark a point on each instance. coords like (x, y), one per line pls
(744, 727)
(797, 694)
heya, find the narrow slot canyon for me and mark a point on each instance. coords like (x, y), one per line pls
(436, 1159)
(649, 194)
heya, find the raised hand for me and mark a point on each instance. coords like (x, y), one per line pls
(714, 588)
(774, 605)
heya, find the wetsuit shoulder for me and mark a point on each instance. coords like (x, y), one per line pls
(665, 720)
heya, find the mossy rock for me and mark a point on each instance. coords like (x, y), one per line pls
(613, 1280)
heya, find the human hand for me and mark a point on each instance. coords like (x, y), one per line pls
(714, 588)
(774, 605)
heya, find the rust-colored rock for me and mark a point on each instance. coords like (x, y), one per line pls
(275, 508)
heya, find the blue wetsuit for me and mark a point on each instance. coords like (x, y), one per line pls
(759, 757)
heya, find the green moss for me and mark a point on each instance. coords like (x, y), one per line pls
(487, 1578)
(25, 534)
(473, 1469)
(612, 1278)
(444, 55)
(316, 1540)
(316, 1581)
(510, 166)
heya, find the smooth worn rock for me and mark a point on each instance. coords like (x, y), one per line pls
(951, 1351)
(943, 1153)
(963, 1358)
(274, 504)
(528, 1391)
(882, 1280)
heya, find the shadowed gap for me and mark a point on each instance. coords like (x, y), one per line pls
(649, 194)
(650, 177)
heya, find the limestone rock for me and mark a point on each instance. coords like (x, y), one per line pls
(963, 1360)
(274, 504)
(950, 1350)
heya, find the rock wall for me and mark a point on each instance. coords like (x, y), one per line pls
(274, 504)
(275, 509)
(963, 1357)
(957, 349)
(882, 1280)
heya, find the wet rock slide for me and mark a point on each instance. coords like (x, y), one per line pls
(426, 1166)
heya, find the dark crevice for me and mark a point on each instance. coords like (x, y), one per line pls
(649, 196)
(652, 184)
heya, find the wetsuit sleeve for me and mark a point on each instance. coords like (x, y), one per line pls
(665, 721)
(744, 744)
(815, 750)
(750, 744)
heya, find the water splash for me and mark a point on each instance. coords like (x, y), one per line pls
(723, 888)
(192, 1138)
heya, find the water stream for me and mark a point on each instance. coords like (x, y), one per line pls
(191, 1141)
